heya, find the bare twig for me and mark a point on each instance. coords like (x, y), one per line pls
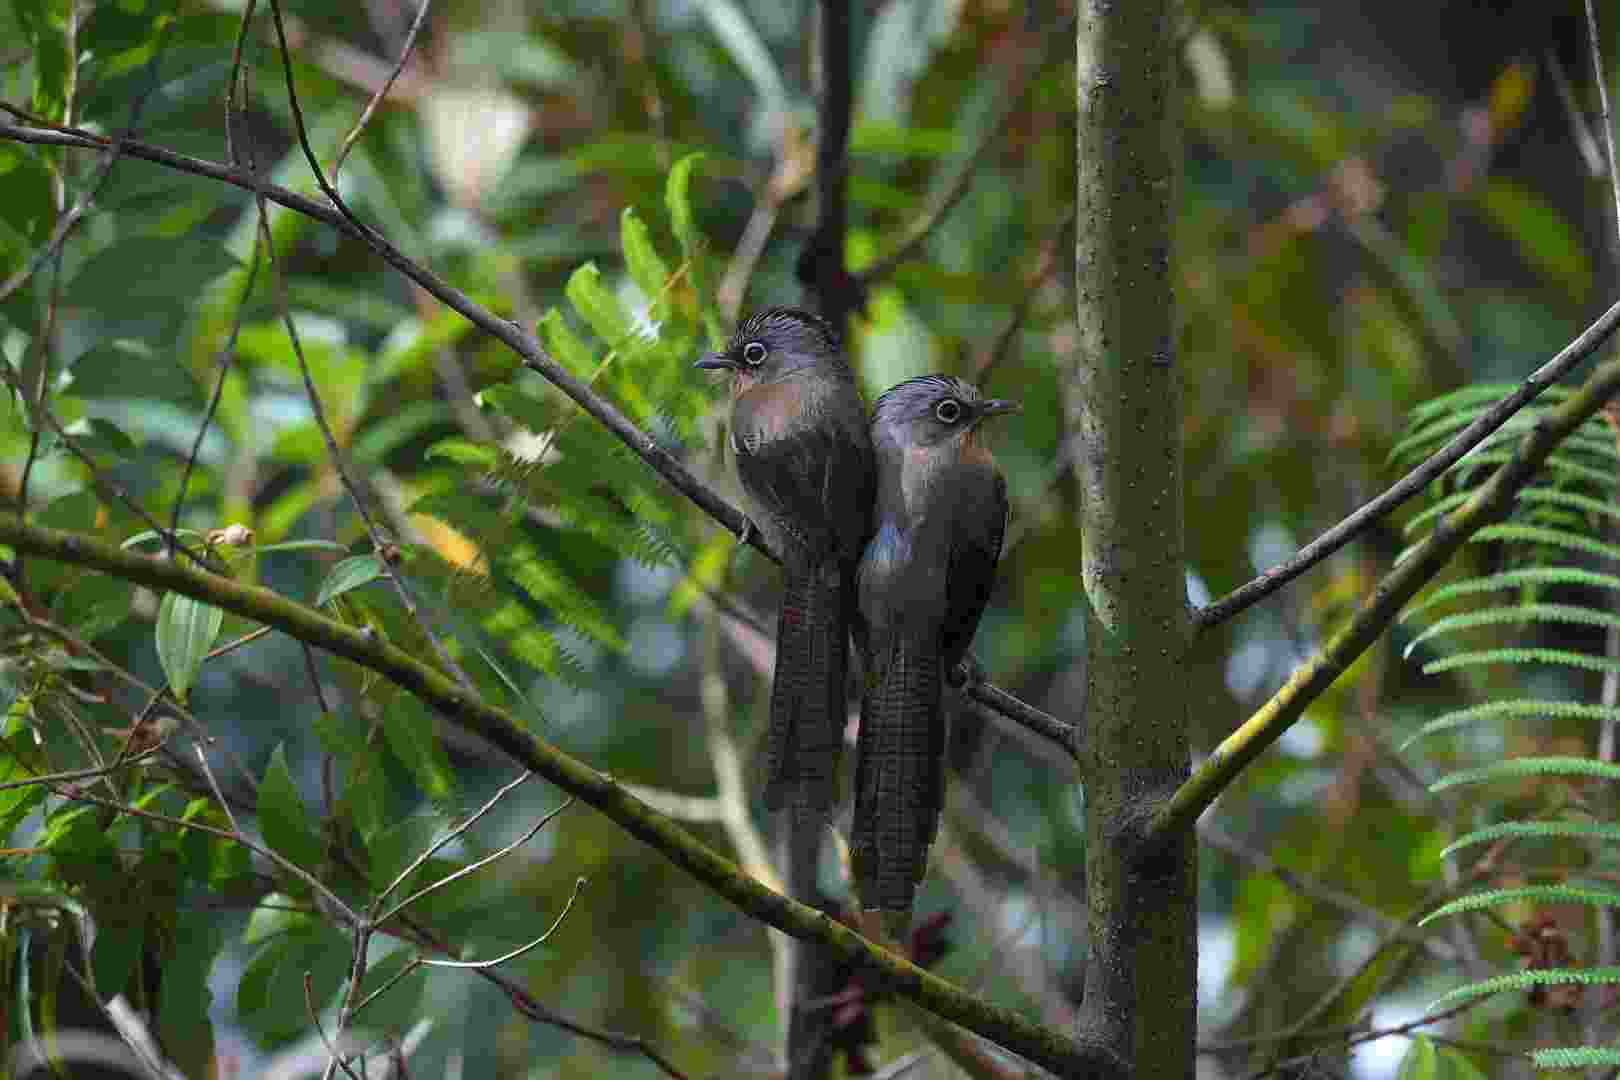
(382, 91)
(916, 234)
(1579, 129)
(335, 1058)
(1491, 502)
(497, 961)
(1601, 77)
(477, 864)
(1276, 577)
(227, 353)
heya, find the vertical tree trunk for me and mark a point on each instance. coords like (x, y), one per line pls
(1126, 411)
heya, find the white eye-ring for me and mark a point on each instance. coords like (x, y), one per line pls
(949, 411)
(754, 354)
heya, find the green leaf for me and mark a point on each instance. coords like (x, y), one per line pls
(146, 275)
(464, 452)
(124, 368)
(400, 1004)
(678, 200)
(409, 729)
(103, 440)
(93, 605)
(566, 347)
(647, 268)
(270, 997)
(599, 308)
(282, 819)
(513, 403)
(185, 999)
(120, 935)
(1546, 239)
(186, 630)
(1420, 1061)
(351, 573)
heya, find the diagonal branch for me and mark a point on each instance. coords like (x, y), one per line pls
(1247, 596)
(1084, 1055)
(1490, 503)
(511, 334)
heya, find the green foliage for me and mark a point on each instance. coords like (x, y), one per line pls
(1545, 606)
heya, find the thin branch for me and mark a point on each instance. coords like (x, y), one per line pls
(497, 961)
(1579, 129)
(1490, 503)
(1276, 577)
(945, 199)
(1065, 735)
(1045, 266)
(334, 1057)
(1062, 1052)
(326, 894)
(438, 845)
(227, 353)
(382, 91)
(1601, 77)
(478, 864)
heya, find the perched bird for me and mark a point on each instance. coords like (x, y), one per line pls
(804, 456)
(924, 580)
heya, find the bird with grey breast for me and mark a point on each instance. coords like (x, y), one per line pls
(804, 457)
(923, 582)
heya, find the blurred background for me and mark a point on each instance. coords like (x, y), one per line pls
(1380, 202)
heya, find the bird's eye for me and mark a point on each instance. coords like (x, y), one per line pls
(949, 411)
(754, 354)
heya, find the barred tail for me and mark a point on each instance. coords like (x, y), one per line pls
(803, 743)
(806, 732)
(899, 777)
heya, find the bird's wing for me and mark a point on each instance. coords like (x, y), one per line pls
(980, 525)
(814, 478)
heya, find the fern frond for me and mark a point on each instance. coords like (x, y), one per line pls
(1526, 980)
(1575, 1057)
(1534, 894)
(1473, 395)
(1570, 614)
(1556, 657)
(1565, 710)
(1530, 495)
(1535, 830)
(1557, 464)
(1520, 768)
(1515, 579)
(1532, 534)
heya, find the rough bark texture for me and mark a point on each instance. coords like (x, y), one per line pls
(1126, 410)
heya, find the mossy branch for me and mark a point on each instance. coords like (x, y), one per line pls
(1489, 504)
(1051, 1049)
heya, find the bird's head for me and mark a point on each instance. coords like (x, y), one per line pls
(773, 343)
(932, 410)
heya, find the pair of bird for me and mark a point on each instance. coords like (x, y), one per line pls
(890, 532)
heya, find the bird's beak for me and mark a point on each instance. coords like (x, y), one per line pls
(716, 361)
(997, 406)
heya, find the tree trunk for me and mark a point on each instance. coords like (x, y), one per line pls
(1126, 411)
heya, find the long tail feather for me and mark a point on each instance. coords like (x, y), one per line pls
(803, 743)
(806, 732)
(899, 779)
